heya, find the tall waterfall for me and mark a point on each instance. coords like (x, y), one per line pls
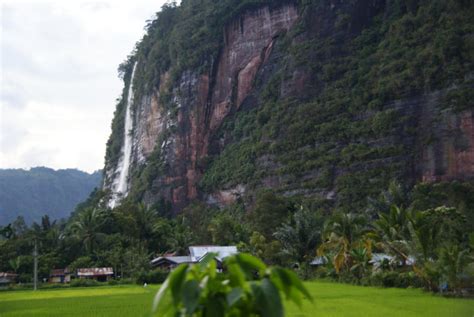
(120, 183)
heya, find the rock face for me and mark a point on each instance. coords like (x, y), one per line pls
(190, 131)
(450, 154)
(203, 101)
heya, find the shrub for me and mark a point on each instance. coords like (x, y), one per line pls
(247, 288)
(152, 277)
(396, 279)
(84, 283)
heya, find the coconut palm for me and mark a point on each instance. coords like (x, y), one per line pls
(452, 263)
(360, 261)
(300, 236)
(145, 219)
(341, 234)
(86, 228)
(392, 232)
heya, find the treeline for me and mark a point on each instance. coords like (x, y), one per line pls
(425, 234)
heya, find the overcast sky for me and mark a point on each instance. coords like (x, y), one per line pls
(58, 77)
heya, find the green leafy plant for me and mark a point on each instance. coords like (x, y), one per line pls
(247, 287)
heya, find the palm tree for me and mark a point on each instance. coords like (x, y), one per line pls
(86, 228)
(395, 194)
(300, 236)
(392, 231)
(360, 261)
(181, 238)
(452, 263)
(341, 234)
(145, 219)
(15, 264)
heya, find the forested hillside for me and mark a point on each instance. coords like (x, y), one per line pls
(43, 191)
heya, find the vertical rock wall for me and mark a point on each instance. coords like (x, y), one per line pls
(203, 101)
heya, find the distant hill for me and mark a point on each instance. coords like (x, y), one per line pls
(41, 190)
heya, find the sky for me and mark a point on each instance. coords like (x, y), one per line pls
(58, 77)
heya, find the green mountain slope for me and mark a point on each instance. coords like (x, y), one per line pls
(39, 191)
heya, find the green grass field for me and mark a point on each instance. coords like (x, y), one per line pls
(330, 300)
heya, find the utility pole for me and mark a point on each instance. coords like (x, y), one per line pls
(35, 266)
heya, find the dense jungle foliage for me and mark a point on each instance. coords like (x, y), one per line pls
(421, 237)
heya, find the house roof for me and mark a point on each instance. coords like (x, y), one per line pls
(377, 258)
(59, 272)
(7, 277)
(95, 271)
(319, 260)
(171, 259)
(198, 252)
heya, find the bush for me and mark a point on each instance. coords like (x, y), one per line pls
(396, 279)
(84, 283)
(123, 281)
(152, 277)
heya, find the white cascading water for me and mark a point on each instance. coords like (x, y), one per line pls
(120, 183)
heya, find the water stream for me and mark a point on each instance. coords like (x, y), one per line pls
(120, 183)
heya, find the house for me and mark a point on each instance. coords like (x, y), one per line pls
(378, 260)
(60, 276)
(319, 261)
(101, 274)
(196, 254)
(169, 262)
(7, 278)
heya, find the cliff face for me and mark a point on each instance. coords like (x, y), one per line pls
(278, 107)
(450, 153)
(203, 101)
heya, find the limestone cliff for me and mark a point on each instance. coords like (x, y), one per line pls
(277, 66)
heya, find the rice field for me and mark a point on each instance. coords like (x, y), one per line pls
(330, 300)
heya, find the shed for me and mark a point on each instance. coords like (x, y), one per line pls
(60, 276)
(101, 274)
(7, 278)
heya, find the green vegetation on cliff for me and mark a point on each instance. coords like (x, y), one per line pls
(356, 127)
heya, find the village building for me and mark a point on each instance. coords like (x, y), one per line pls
(7, 278)
(196, 254)
(319, 261)
(101, 274)
(60, 276)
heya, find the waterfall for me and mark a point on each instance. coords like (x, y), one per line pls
(120, 183)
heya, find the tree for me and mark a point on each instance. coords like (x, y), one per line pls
(226, 228)
(269, 213)
(342, 233)
(360, 261)
(15, 264)
(86, 228)
(392, 231)
(268, 251)
(453, 262)
(395, 195)
(300, 236)
(181, 238)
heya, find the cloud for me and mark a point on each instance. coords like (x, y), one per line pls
(59, 79)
